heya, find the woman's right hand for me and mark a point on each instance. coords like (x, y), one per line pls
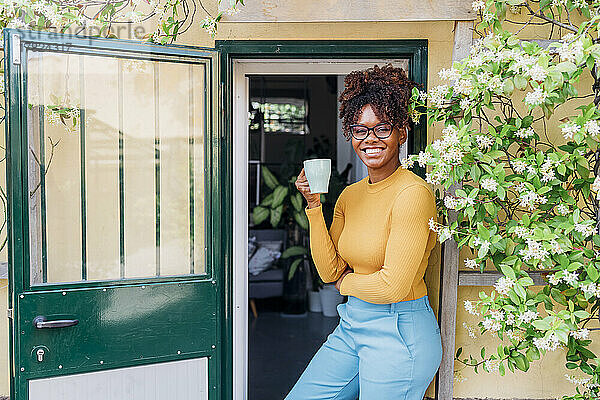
(313, 199)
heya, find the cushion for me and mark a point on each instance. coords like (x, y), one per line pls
(263, 259)
(274, 245)
(251, 246)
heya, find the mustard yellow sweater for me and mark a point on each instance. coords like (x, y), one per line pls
(381, 230)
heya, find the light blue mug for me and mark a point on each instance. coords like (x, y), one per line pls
(318, 172)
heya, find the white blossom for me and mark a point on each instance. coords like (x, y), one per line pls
(433, 225)
(452, 155)
(569, 129)
(478, 5)
(592, 127)
(570, 51)
(475, 61)
(527, 316)
(423, 158)
(450, 74)
(503, 284)
(525, 133)
(548, 343)
(52, 117)
(488, 16)
(489, 184)
(570, 277)
(510, 319)
(534, 250)
(436, 177)
(522, 232)
(591, 288)
(491, 324)
(535, 98)
(471, 263)
(492, 365)
(553, 279)
(528, 199)
(407, 162)
(494, 83)
(445, 234)
(537, 73)
(497, 314)
(470, 308)
(437, 95)
(464, 86)
(484, 245)
(556, 248)
(575, 380)
(586, 229)
(465, 103)
(470, 330)
(484, 141)
(562, 209)
(580, 333)
(519, 166)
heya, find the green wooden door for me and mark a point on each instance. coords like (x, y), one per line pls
(114, 219)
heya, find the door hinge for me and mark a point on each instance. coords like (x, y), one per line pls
(16, 49)
(9, 313)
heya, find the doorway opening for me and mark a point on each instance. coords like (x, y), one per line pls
(292, 115)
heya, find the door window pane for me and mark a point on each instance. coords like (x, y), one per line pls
(115, 167)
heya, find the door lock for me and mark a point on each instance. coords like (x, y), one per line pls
(40, 355)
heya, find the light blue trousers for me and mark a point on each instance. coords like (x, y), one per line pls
(377, 352)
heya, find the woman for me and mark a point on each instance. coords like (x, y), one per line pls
(387, 344)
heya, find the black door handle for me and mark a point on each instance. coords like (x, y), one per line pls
(40, 322)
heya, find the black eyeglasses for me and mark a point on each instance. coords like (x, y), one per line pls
(382, 130)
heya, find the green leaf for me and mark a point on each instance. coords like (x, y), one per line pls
(508, 87)
(541, 324)
(293, 251)
(581, 314)
(520, 82)
(269, 178)
(566, 66)
(532, 353)
(301, 219)
(276, 215)
(259, 214)
(297, 201)
(267, 201)
(525, 281)
(508, 271)
(592, 272)
(293, 268)
(521, 362)
(520, 291)
(278, 195)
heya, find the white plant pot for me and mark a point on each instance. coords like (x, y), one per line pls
(314, 301)
(330, 298)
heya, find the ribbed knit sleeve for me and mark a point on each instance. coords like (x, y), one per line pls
(404, 251)
(323, 243)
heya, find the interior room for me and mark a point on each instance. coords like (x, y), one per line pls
(291, 118)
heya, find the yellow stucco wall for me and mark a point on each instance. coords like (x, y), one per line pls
(546, 377)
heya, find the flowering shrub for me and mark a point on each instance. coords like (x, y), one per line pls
(522, 202)
(98, 18)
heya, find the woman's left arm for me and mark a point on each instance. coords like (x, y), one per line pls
(405, 249)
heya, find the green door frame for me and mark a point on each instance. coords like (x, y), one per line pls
(230, 50)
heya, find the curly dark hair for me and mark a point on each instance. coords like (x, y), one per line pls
(386, 89)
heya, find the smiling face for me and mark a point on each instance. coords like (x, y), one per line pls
(378, 154)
